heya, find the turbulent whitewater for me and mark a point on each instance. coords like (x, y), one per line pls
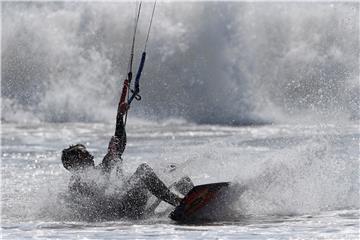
(208, 62)
(300, 180)
(264, 95)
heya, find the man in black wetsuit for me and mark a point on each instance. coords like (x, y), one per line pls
(132, 203)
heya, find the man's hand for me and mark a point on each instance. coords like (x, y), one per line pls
(124, 107)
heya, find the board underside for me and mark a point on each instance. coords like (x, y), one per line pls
(195, 200)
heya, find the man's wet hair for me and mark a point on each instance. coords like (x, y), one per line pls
(76, 156)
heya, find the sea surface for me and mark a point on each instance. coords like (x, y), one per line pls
(302, 181)
(267, 94)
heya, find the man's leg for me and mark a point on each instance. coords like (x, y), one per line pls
(135, 200)
(147, 175)
(184, 185)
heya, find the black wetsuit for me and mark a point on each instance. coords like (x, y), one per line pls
(96, 205)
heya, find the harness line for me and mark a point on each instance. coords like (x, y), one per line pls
(126, 88)
(135, 92)
(148, 33)
(133, 43)
(126, 99)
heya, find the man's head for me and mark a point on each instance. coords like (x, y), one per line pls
(76, 157)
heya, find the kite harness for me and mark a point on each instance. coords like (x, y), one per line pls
(127, 98)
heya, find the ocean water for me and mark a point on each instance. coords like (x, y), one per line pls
(262, 94)
(207, 62)
(302, 181)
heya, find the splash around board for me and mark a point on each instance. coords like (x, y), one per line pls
(196, 200)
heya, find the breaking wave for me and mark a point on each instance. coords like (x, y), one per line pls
(227, 63)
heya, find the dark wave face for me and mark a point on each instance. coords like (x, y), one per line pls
(208, 62)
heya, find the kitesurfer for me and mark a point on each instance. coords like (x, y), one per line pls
(89, 183)
(132, 202)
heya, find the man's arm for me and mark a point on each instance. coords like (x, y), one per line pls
(116, 145)
(120, 128)
(118, 141)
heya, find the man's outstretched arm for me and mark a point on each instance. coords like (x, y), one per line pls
(116, 145)
(118, 141)
(120, 128)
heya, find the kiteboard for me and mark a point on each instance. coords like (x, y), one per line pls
(196, 200)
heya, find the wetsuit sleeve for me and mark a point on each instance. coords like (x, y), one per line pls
(120, 128)
(116, 146)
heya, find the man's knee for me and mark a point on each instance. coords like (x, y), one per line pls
(184, 185)
(143, 169)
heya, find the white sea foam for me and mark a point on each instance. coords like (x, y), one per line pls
(282, 177)
(207, 62)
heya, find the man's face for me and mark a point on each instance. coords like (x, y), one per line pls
(83, 160)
